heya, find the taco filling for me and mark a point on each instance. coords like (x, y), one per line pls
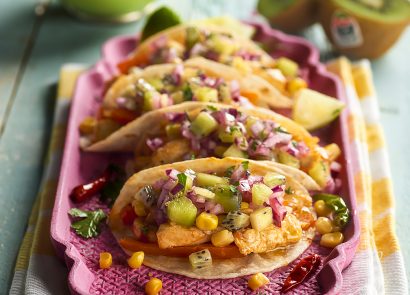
(124, 103)
(221, 46)
(231, 214)
(227, 132)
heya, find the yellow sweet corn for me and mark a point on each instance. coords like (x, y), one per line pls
(105, 260)
(244, 205)
(295, 85)
(333, 150)
(222, 238)
(207, 221)
(257, 280)
(139, 208)
(87, 126)
(153, 286)
(136, 259)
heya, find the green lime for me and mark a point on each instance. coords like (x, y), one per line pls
(161, 19)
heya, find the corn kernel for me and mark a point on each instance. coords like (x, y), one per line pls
(257, 280)
(331, 240)
(207, 221)
(222, 238)
(324, 225)
(295, 85)
(244, 205)
(153, 286)
(321, 208)
(333, 150)
(105, 260)
(136, 259)
(139, 208)
(87, 125)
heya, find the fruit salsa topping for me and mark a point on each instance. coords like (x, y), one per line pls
(221, 47)
(227, 132)
(191, 208)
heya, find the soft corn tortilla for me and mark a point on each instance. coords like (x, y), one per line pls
(221, 268)
(132, 137)
(260, 92)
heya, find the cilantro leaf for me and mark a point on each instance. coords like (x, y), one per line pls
(281, 129)
(233, 189)
(88, 226)
(211, 108)
(245, 165)
(187, 93)
(229, 171)
(182, 178)
(289, 190)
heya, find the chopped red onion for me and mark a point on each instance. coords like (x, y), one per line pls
(175, 117)
(330, 186)
(278, 210)
(246, 55)
(154, 143)
(176, 189)
(257, 128)
(252, 179)
(224, 118)
(177, 73)
(159, 184)
(163, 198)
(212, 55)
(238, 173)
(245, 189)
(217, 209)
(159, 216)
(235, 90)
(243, 101)
(172, 173)
(335, 166)
(169, 185)
(159, 42)
(121, 101)
(197, 49)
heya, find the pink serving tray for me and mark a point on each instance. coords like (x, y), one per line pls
(81, 255)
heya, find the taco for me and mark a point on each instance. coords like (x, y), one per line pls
(197, 130)
(158, 86)
(215, 218)
(220, 44)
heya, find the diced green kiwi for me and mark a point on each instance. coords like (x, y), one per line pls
(235, 220)
(287, 159)
(203, 124)
(234, 151)
(228, 136)
(200, 259)
(208, 180)
(273, 179)
(206, 94)
(182, 211)
(227, 196)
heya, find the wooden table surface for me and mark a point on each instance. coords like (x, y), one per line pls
(33, 46)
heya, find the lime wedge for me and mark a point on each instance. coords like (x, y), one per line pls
(159, 20)
(313, 110)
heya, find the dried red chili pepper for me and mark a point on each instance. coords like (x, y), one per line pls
(82, 192)
(301, 271)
